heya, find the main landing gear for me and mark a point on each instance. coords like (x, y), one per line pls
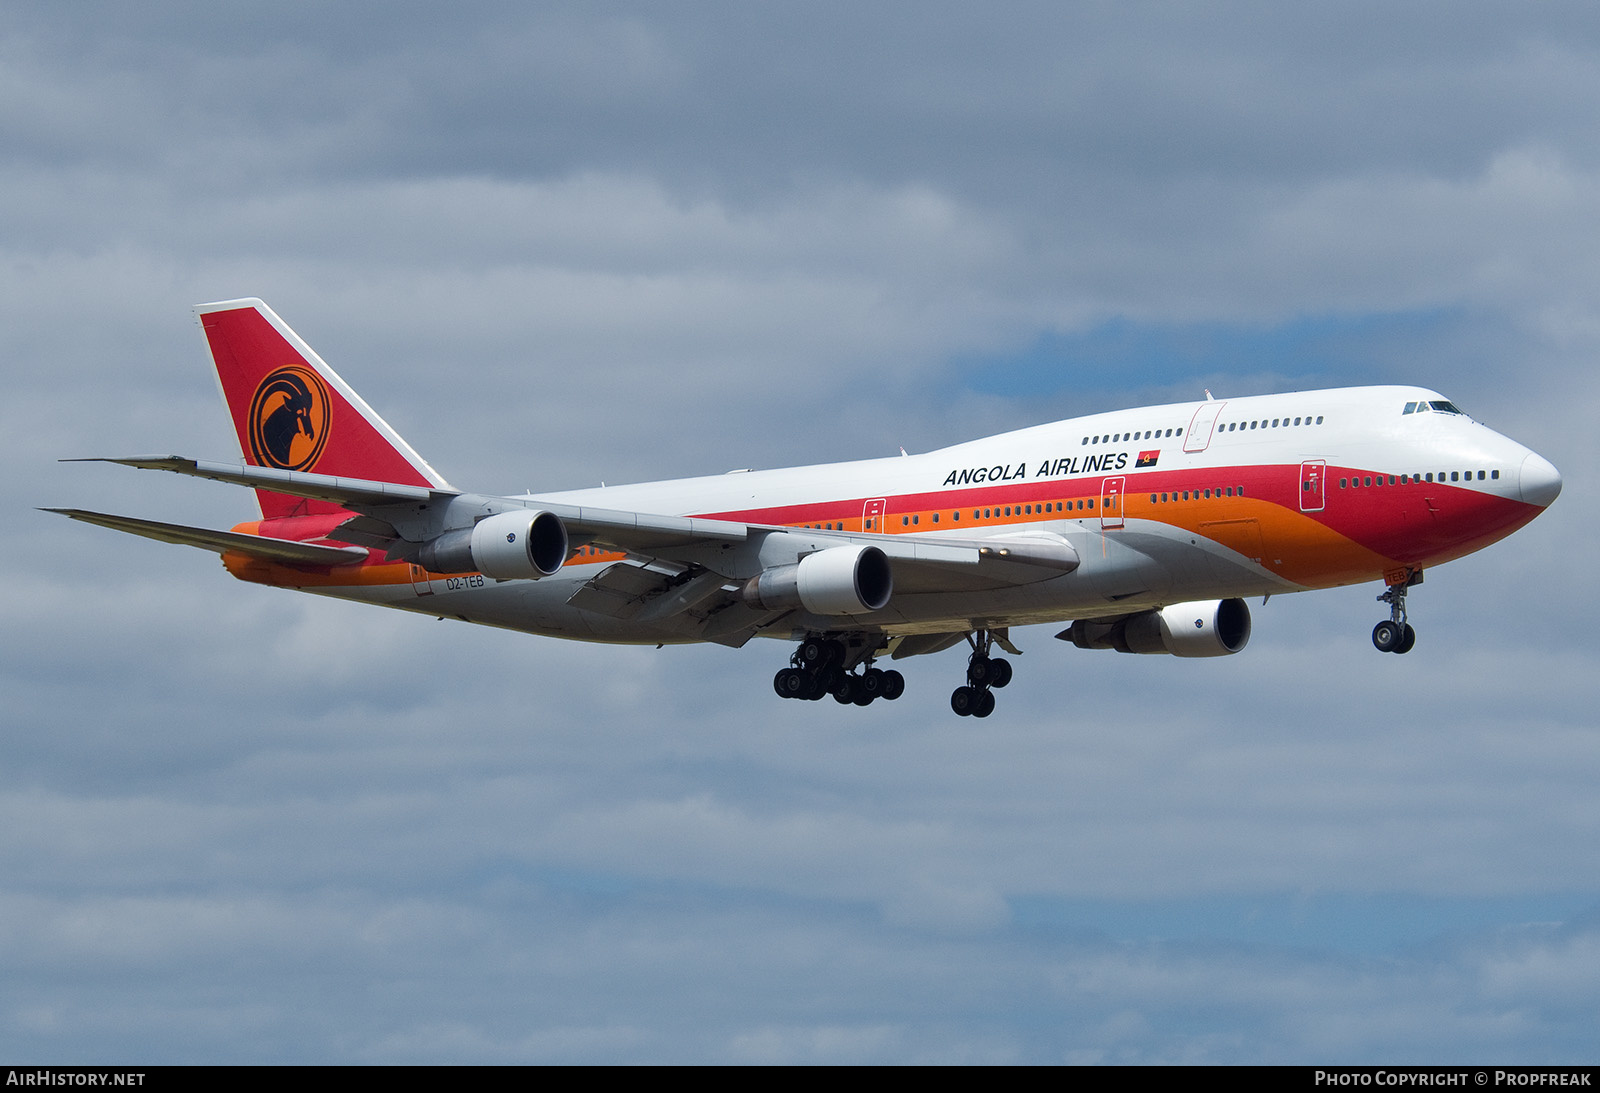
(827, 666)
(984, 672)
(1395, 635)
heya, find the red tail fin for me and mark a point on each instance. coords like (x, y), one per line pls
(293, 412)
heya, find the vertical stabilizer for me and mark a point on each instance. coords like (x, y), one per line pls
(293, 412)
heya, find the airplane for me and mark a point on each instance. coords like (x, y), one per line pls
(1143, 529)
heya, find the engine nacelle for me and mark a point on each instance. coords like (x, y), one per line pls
(1205, 628)
(842, 580)
(506, 546)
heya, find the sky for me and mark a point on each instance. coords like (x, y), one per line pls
(563, 244)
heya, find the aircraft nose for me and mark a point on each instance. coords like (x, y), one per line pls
(1540, 482)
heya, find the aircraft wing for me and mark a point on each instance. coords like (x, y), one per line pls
(287, 551)
(676, 565)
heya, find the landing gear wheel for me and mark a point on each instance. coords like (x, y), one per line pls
(871, 683)
(985, 705)
(790, 683)
(1407, 641)
(978, 671)
(999, 672)
(964, 700)
(894, 685)
(1387, 636)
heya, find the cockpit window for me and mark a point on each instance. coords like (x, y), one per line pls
(1441, 406)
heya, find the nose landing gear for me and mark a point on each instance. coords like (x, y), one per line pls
(1395, 635)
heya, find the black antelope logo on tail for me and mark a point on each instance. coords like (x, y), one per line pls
(289, 416)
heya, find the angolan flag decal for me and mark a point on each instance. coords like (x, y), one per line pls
(1148, 459)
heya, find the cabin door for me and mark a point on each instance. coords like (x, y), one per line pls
(1312, 474)
(1198, 438)
(1111, 503)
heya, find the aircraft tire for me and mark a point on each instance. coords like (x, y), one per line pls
(872, 682)
(1407, 641)
(963, 700)
(999, 672)
(978, 672)
(985, 705)
(791, 683)
(1386, 636)
(894, 685)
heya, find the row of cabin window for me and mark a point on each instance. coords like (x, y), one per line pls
(999, 512)
(1407, 479)
(1117, 438)
(1197, 495)
(1157, 434)
(1263, 423)
(1083, 505)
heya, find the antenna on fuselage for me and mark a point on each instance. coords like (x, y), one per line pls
(1207, 390)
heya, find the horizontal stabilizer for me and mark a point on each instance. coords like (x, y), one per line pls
(286, 551)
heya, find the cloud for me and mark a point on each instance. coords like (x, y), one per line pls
(575, 245)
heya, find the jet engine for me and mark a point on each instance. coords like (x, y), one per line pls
(507, 546)
(842, 580)
(1205, 628)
